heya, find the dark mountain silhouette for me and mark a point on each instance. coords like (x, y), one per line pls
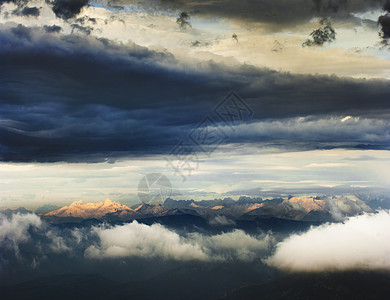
(322, 286)
(46, 208)
(205, 281)
(9, 212)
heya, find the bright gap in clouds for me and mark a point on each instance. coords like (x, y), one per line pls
(224, 172)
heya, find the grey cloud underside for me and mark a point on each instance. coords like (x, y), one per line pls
(27, 12)
(52, 28)
(78, 98)
(65, 9)
(277, 13)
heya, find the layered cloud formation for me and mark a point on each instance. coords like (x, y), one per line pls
(79, 88)
(361, 242)
(67, 97)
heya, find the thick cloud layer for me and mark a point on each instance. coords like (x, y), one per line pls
(344, 130)
(361, 242)
(74, 98)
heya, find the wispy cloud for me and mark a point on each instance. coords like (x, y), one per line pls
(15, 230)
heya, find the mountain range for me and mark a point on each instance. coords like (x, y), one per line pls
(245, 208)
(317, 209)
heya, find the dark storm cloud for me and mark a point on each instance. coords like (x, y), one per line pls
(277, 13)
(75, 98)
(67, 9)
(384, 22)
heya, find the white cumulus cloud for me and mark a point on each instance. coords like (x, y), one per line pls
(137, 239)
(361, 242)
(156, 241)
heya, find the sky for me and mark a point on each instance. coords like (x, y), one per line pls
(227, 101)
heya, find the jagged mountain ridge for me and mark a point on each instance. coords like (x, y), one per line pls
(293, 208)
(78, 209)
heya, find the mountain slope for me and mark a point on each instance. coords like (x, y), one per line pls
(82, 210)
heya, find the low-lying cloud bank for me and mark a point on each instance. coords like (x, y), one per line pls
(142, 240)
(157, 241)
(361, 242)
(125, 241)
